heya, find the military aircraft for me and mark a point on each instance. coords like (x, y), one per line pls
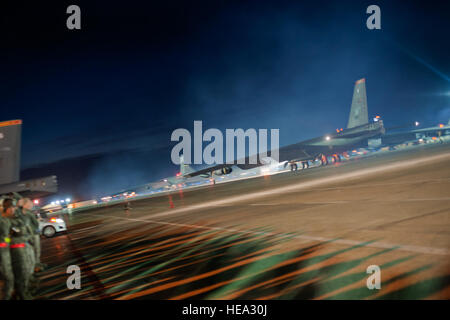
(356, 135)
(10, 143)
(268, 165)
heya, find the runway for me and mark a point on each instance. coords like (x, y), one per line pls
(306, 235)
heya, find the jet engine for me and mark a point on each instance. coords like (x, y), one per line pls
(225, 170)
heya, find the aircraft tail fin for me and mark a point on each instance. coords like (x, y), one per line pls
(185, 169)
(10, 140)
(358, 112)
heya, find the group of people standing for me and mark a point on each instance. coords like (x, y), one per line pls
(20, 249)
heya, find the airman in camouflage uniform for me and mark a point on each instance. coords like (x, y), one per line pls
(22, 256)
(26, 206)
(5, 258)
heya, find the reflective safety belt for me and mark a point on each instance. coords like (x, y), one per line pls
(17, 245)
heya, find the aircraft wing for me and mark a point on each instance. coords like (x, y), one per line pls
(32, 188)
(206, 170)
(430, 129)
(294, 152)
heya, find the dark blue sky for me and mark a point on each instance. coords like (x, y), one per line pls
(137, 70)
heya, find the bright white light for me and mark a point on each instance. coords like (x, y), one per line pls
(375, 119)
(62, 201)
(57, 201)
(36, 201)
(265, 170)
(53, 203)
(68, 200)
(327, 138)
(416, 123)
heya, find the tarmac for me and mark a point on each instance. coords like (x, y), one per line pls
(310, 234)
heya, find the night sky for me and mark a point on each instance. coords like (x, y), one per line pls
(99, 104)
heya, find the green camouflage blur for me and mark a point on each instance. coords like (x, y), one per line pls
(23, 260)
(6, 269)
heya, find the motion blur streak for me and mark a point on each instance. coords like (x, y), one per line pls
(303, 185)
(379, 245)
